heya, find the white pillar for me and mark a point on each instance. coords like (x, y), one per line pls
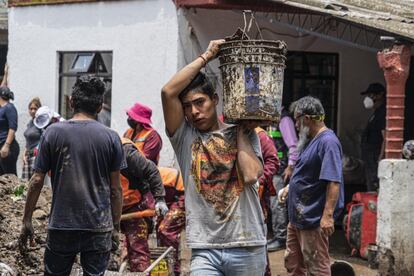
(395, 227)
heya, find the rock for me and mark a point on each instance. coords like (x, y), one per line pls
(39, 214)
(12, 245)
(41, 202)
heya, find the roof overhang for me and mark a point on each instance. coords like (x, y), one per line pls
(395, 17)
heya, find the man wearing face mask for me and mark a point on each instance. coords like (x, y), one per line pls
(372, 142)
(147, 139)
(315, 192)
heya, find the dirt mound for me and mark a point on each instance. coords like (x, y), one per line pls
(12, 200)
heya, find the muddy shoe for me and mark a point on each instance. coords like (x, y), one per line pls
(276, 245)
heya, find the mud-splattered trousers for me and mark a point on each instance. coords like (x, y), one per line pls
(136, 235)
(307, 252)
(170, 227)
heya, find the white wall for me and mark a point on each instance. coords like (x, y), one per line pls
(141, 34)
(357, 68)
(395, 235)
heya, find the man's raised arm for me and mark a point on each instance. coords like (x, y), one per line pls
(173, 111)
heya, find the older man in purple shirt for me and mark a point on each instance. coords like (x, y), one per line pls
(285, 140)
(315, 193)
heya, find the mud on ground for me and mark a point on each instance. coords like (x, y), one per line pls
(30, 260)
(22, 262)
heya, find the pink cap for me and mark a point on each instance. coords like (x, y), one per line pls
(140, 113)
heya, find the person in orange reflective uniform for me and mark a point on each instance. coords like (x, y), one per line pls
(147, 139)
(170, 227)
(142, 191)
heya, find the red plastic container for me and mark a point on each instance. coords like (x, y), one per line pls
(361, 222)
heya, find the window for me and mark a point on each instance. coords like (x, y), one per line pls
(72, 65)
(314, 74)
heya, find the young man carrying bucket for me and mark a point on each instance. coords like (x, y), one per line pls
(221, 165)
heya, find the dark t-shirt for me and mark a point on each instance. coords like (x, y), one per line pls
(80, 155)
(376, 124)
(318, 164)
(8, 120)
(142, 173)
(32, 135)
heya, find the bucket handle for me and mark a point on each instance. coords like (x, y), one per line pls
(247, 27)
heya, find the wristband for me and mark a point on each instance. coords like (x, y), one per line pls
(204, 59)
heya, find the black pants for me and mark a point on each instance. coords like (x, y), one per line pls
(63, 246)
(279, 212)
(8, 164)
(370, 154)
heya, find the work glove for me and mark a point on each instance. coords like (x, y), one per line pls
(161, 208)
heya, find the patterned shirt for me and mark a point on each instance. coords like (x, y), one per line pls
(221, 212)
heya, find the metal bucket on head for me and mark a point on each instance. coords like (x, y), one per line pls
(252, 74)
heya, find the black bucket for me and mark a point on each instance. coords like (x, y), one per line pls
(342, 268)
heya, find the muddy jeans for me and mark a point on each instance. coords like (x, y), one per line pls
(136, 236)
(307, 252)
(170, 227)
(63, 246)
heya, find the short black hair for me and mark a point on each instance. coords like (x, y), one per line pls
(87, 95)
(201, 84)
(6, 94)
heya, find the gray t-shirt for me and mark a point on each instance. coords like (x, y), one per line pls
(220, 211)
(32, 135)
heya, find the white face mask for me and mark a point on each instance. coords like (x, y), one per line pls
(368, 103)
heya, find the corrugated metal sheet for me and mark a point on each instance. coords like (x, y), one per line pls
(389, 15)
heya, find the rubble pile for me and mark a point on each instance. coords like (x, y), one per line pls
(27, 261)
